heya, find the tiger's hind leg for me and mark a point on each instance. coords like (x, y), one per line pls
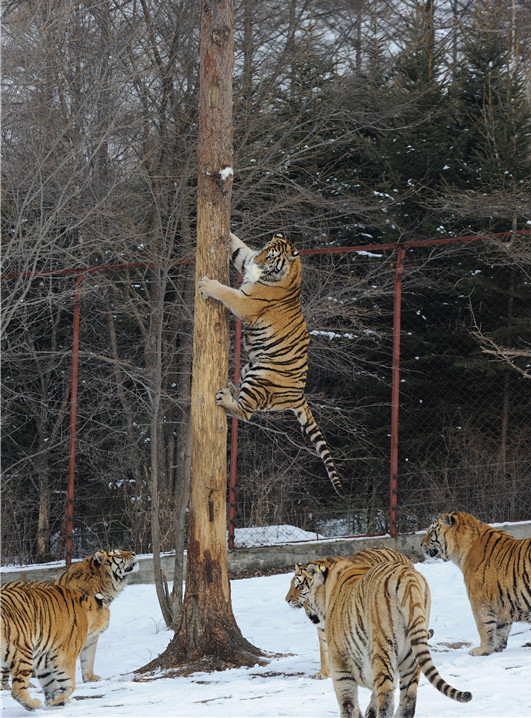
(225, 398)
(5, 678)
(57, 678)
(383, 665)
(345, 686)
(250, 397)
(409, 680)
(372, 709)
(486, 624)
(21, 669)
(501, 636)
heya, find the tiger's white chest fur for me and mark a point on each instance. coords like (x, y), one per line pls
(253, 273)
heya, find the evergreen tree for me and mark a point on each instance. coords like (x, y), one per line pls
(415, 151)
(493, 119)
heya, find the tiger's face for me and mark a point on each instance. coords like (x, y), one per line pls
(437, 541)
(117, 563)
(301, 582)
(275, 262)
(299, 587)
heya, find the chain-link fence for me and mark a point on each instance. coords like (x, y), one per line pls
(415, 376)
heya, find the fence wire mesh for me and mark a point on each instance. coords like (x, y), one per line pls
(464, 414)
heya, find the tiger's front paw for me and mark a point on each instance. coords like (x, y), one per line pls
(320, 676)
(479, 651)
(91, 678)
(207, 287)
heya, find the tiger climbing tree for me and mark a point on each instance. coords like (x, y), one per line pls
(206, 634)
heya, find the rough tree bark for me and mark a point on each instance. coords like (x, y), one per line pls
(207, 636)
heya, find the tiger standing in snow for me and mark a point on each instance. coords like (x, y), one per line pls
(376, 630)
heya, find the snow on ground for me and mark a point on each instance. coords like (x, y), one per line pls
(500, 683)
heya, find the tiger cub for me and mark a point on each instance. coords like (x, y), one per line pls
(275, 337)
(376, 628)
(497, 572)
(43, 629)
(300, 588)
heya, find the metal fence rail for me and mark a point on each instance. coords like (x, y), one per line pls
(495, 471)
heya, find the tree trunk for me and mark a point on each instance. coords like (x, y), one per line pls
(207, 636)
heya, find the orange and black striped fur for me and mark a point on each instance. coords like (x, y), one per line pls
(106, 573)
(275, 337)
(376, 628)
(43, 629)
(497, 572)
(299, 589)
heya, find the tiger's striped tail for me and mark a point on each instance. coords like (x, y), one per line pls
(311, 429)
(427, 666)
(419, 635)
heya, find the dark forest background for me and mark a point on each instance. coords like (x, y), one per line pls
(356, 122)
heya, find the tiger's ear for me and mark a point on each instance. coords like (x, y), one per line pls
(448, 519)
(311, 568)
(100, 599)
(315, 569)
(99, 558)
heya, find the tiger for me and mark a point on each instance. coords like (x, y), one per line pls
(496, 569)
(275, 337)
(43, 628)
(105, 572)
(376, 628)
(300, 588)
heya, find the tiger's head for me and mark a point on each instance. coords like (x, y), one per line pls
(117, 563)
(440, 537)
(277, 262)
(453, 536)
(104, 572)
(299, 587)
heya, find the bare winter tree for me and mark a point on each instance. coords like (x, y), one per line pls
(206, 632)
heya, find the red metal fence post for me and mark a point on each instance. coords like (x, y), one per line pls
(73, 416)
(395, 392)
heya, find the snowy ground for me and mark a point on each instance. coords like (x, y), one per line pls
(500, 684)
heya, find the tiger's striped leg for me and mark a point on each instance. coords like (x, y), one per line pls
(383, 671)
(501, 636)
(324, 670)
(345, 686)
(62, 682)
(486, 624)
(46, 677)
(243, 403)
(5, 678)
(239, 252)
(409, 678)
(233, 299)
(21, 669)
(372, 709)
(86, 658)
